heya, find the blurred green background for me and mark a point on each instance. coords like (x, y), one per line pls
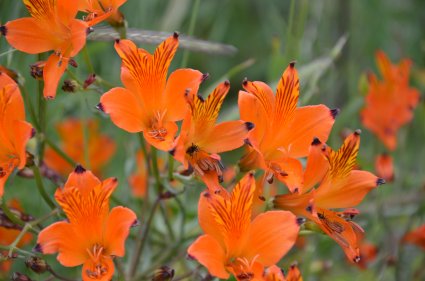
(334, 43)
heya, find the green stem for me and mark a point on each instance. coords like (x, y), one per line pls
(41, 189)
(167, 223)
(60, 152)
(30, 107)
(194, 15)
(41, 120)
(155, 170)
(143, 235)
(9, 214)
(170, 167)
(87, 59)
(84, 125)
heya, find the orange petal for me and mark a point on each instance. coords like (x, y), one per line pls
(67, 10)
(102, 270)
(11, 102)
(349, 192)
(384, 167)
(208, 252)
(416, 236)
(165, 143)
(290, 172)
(274, 273)
(317, 165)
(294, 274)
(78, 30)
(226, 136)
(346, 233)
(271, 236)
(23, 132)
(296, 203)
(309, 122)
(288, 90)
(29, 36)
(61, 237)
(52, 73)
(263, 94)
(124, 108)
(117, 229)
(82, 179)
(175, 90)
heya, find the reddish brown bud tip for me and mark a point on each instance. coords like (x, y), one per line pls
(316, 141)
(3, 30)
(100, 107)
(245, 81)
(335, 112)
(117, 41)
(227, 83)
(90, 80)
(380, 181)
(356, 259)
(69, 86)
(38, 248)
(292, 64)
(262, 198)
(33, 132)
(204, 77)
(357, 132)
(73, 63)
(300, 221)
(164, 273)
(79, 169)
(249, 126)
(176, 35)
(89, 30)
(135, 223)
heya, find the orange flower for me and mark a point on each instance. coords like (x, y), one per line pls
(149, 102)
(416, 236)
(274, 273)
(139, 180)
(368, 252)
(201, 139)
(390, 102)
(282, 131)
(100, 147)
(8, 234)
(384, 167)
(93, 235)
(99, 10)
(14, 131)
(52, 26)
(233, 243)
(339, 186)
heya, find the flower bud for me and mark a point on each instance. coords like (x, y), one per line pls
(69, 86)
(36, 264)
(16, 276)
(36, 70)
(164, 273)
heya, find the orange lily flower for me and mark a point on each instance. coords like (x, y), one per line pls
(282, 131)
(149, 102)
(274, 273)
(233, 242)
(100, 147)
(339, 186)
(8, 234)
(52, 26)
(201, 139)
(416, 236)
(139, 180)
(390, 102)
(93, 235)
(384, 167)
(14, 131)
(99, 10)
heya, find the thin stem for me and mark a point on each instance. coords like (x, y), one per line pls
(30, 107)
(41, 189)
(9, 214)
(155, 170)
(84, 125)
(41, 120)
(170, 167)
(87, 59)
(194, 15)
(167, 223)
(143, 235)
(49, 269)
(60, 152)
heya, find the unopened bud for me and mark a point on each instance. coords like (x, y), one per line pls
(164, 273)
(16, 276)
(36, 70)
(36, 264)
(69, 86)
(90, 80)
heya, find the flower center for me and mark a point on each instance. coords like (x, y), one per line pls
(98, 267)
(156, 130)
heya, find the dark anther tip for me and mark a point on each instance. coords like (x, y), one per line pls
(100, 107)
(296, 190)
(33, 132)
(220, 178)
(335, 112)
(262, 198)
(380, 181)
(79, 169)
(200, 98)
(356, 259)
(114, 179)
(316, 141)
(206, 194)
(172, 151)
(89, 30)
(245, 81)
(3, 30)
(205, 76)
(135, 223)
(49, 97)
(292, 63)
(38, 248)
(357, 132)
(247, 142)
(249, 126)
(309, 209)
(300, 221)
(176, 35)
(227, 83)
(117, 40)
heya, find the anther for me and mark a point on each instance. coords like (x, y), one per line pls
(380, 181)
(249, 126)
(227, 83)
(292, 64)
(245, 81)
(176, 35)
(335, 112)
(3, 30)
(316, 141)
